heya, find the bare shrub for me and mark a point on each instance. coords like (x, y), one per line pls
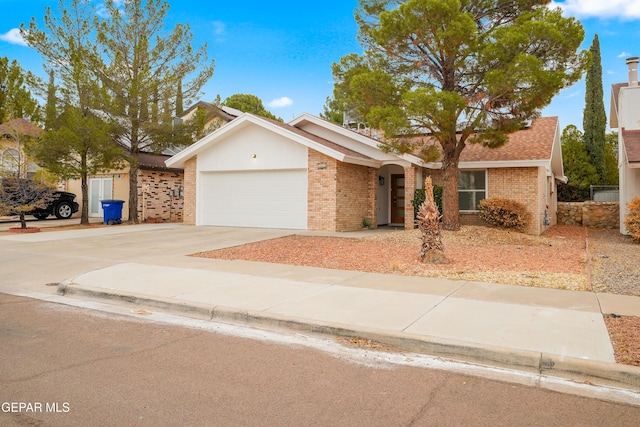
(632, 219)
(504, 213)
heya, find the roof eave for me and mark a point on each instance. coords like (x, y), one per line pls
(495, 164)
(371, 142)
(179, 159)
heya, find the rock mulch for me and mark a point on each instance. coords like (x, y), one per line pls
(615, 262)
(556, 260)
(625, 336)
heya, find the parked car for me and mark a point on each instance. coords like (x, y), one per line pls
(62, 206)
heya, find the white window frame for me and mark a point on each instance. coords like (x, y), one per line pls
(475, 190)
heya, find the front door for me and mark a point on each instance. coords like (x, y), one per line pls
(397, 199)
(99, 189)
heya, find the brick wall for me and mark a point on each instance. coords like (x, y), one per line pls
(435, 174)
(321, 201)
(189, 211)
(159, 195)
(525, 185)
(341, 194)
(372, 208)
(353, 196)
(409, 191)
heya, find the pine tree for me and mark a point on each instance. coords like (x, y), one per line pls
(50, 110)
(594, 120)
(179, 100)
(467, 72)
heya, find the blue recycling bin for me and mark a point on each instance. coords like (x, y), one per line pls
(112, 211)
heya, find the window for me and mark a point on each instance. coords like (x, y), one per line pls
(10, 160)
(472, 187)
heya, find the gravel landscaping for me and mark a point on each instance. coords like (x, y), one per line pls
(555, 260)
(615, 262)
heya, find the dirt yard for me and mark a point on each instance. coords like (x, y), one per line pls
(565, 257)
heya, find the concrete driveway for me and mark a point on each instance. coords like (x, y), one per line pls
(30, 261)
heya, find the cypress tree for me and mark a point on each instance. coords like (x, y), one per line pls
(50, 111)
(594, 119)
(179, 100)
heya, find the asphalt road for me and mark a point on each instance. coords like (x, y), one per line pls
(65, 366)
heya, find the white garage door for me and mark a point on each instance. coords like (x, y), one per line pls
(267, 199)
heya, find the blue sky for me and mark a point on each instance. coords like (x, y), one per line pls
(282, 51)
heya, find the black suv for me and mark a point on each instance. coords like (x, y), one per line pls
(62, 206)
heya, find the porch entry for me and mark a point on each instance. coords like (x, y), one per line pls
(99, 189)
(397, 199)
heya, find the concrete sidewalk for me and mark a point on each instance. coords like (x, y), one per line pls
(551, 332)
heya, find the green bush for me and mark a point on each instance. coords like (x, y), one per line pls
(572, 193)
(632, 219)
(504, 213)
(418, 199)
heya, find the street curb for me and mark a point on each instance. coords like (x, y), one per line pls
(571, 368)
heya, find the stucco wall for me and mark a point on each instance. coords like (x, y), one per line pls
(119, 190)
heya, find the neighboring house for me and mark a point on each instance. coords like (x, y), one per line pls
(625, 115)
(13, 134)
(160, 188)
(214, 116)
(315, 175)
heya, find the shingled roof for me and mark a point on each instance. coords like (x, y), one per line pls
(615, 97)
(322, 141)
(149, 161)
(19, 126)
(529, 144)
(532, 143)
(632, 144)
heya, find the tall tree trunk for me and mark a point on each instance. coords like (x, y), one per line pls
(133, 194)
(450, 204)
(23, 221)
(84, 216)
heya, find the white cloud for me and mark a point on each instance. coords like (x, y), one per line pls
(572, 95)
(219, 27)
(623, 9)
(101, 9)
(624, 55)
(281, 102)
(13, 36)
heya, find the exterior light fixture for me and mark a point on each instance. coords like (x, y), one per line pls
(380, 179)
(253, 156)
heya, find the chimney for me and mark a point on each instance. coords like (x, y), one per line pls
(632, 63)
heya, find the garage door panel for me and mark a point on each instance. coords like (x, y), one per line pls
(270, 199)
